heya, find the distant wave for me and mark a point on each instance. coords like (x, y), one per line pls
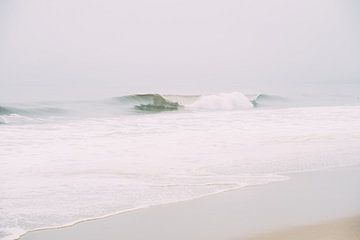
(6, 111)
(29, 110)
(26, 114)
(151, 103)
(221, 101)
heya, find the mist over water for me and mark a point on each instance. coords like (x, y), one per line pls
(107, 106)
(63, 50)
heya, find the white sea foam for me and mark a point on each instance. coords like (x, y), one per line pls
(56, 173)
(222, 101)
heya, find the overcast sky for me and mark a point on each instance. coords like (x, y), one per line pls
(196, 43)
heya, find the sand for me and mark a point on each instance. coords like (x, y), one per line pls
(262, 211)
(343, 229)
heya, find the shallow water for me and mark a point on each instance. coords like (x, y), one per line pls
(63, 169)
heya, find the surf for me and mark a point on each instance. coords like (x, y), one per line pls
(136, 104)
(158, 102)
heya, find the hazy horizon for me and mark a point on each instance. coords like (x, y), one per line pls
(69, 48)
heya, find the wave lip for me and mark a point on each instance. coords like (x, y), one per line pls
(156, 102)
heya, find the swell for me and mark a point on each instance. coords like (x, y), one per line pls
(27, 114)
(138, 103)
(5, 111)
(30, 111)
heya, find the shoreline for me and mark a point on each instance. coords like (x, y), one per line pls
(130, 210)
(287, 176)
(228, 222)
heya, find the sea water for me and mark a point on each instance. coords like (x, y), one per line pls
(63, 162)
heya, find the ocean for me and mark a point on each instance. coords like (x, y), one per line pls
(67, 161)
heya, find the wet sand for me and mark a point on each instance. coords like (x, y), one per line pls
(306, 199)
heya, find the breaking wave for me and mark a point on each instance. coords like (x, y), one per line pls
(221, 101)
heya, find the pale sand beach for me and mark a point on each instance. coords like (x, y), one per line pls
(348, 229)
(330, 198)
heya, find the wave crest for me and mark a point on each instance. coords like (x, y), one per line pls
(223, 101)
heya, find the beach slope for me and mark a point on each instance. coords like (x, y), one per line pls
(306, 199)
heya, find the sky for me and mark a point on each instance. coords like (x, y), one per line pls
(71, 47)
